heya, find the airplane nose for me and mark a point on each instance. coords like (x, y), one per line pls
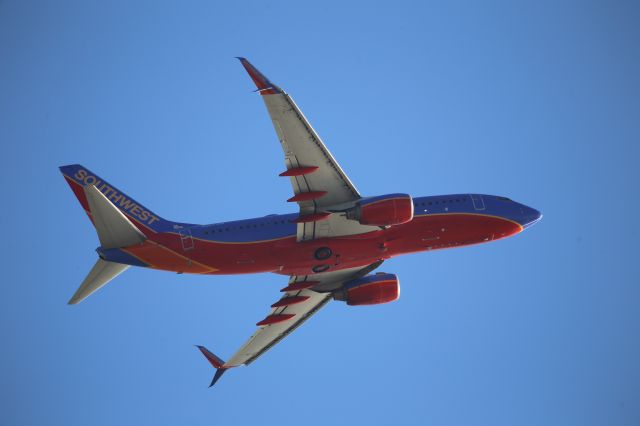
(530, 216)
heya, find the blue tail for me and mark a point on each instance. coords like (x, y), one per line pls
(78, 176)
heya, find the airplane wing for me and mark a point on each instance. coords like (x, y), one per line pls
(303, 297)
(319, 184)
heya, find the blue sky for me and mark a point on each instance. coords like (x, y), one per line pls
(537, 101)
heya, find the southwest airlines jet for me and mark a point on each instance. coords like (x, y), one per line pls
(328, 250)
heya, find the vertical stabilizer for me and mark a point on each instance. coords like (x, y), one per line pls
(101, 273)
(78, 177)
(113, 227)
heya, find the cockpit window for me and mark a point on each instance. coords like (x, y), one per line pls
(504, 198)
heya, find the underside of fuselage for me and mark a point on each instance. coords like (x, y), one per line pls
(268, 244)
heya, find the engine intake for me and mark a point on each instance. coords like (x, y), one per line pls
(384, 210)
(370, 290)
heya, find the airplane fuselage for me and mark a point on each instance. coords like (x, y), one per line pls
(268, 244)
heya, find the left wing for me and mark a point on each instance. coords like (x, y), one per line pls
(319, 184)
(303, 297)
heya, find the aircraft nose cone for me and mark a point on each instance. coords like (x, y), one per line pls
(530, 216)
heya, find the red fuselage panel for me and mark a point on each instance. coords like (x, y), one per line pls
(169, 251)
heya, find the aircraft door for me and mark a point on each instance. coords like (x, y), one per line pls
(478, 201)
(186, 239)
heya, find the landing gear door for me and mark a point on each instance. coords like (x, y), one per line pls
(478, 201)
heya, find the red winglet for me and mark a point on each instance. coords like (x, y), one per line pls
(307, 196)
(286, 301)
(299, 171)
(275, 319)
(215, 361)
(316, 217)
(301, 285)
(265, 87)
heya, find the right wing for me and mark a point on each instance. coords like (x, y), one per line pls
(303, 297)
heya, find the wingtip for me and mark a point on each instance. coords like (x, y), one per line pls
(215, 361)
(264, 85)
(217, 376)
(68, 167)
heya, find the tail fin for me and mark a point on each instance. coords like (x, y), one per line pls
(114, 231)
(101, 273)
(113, 227)
(113, 223)
(147, 221)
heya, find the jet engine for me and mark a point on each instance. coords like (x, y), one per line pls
(370, 290)
(384, 210)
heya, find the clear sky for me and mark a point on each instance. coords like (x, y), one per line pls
(538, 101)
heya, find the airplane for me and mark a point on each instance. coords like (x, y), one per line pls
(328, 249)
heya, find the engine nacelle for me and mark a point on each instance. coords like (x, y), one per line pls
(370, 290)
(384, 210)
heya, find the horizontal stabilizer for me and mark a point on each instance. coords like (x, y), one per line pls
(101, 273)
(113, 228)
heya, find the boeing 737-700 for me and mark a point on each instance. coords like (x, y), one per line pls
(328, 249)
